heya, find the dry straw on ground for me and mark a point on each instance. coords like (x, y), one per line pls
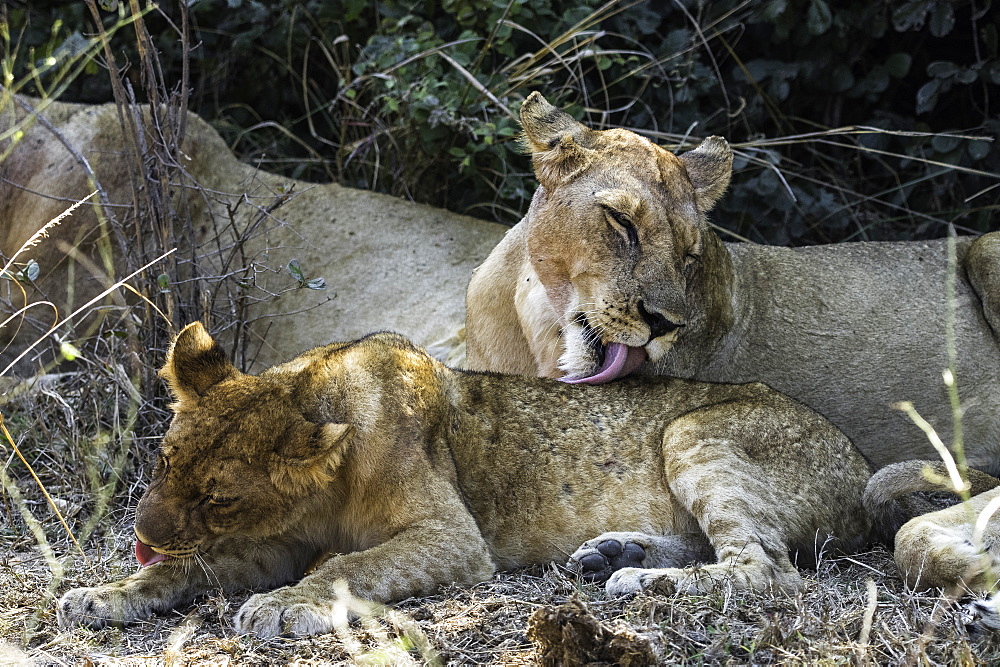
(840, 618)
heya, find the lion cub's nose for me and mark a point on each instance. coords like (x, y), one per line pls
(658, 323)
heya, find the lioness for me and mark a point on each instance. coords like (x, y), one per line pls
(410, 259)
(398, 474)
(614, 269)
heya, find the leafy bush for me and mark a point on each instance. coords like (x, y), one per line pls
(419, 99)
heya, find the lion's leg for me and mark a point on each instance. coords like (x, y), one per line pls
(731, 497)
(936, 550)
(170, 583)
(414, 562)
(151, 590)
(982, 264)
(599, 558)
(748, 559)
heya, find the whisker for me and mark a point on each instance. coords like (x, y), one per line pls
(210, 576)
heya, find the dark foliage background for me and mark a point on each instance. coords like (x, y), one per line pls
(418, 98)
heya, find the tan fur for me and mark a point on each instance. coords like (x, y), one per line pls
(386, 262)
(397, 474)
(847, 329)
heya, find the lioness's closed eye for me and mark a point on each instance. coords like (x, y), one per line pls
(400, 474)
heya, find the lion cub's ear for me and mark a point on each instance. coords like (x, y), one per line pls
(195, 362)
(559, 145)
(710, 166)
(309, 455)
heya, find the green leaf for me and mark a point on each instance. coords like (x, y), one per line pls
(978, 149)
(967, 75)
(992, 72)
(942, 69)
(295, 271)
(877, 80)
(818, 18)
(30, 272)
(942, 18)
(898, 64)
(927, 95)
(911, 15)
(944, 144)
(774, 9)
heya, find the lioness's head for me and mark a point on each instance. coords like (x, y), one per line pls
(616, 235)
(238, 458)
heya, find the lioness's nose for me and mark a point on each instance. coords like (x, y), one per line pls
(658, 323)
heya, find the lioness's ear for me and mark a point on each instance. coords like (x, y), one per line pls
(307, 456)
(195, 362)
(710, 166)
(557, 142)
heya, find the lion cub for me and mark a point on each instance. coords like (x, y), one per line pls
(398, 474)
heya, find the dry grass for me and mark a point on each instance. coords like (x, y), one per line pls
(488, 624)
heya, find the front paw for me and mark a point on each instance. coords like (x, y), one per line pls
(290, 611)
(982, 616)
(628, 581)
(93, 608)
(596, 560)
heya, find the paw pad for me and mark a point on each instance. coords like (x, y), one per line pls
(611, 555)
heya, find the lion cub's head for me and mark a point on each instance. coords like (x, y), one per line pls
(616, 235)
(239, 457)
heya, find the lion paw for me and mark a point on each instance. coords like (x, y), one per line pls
(627, 581)
(597, 559)
(92, 608)
(982, 616)
(287, 611)
(661, 581)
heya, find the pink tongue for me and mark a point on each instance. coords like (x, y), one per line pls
(619, 361)
(146, 556)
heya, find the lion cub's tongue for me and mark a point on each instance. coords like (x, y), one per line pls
(146, 556)
(619, 360)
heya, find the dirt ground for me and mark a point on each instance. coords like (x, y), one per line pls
(854, 610)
